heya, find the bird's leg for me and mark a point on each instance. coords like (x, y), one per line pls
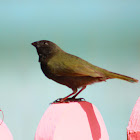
(79, 92)
(65, 99)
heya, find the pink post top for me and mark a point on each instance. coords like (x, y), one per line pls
(72, 121)
(5, 133)
(133, 129)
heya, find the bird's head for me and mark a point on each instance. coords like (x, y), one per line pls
(45, 48)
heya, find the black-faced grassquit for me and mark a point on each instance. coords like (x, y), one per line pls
(71, 70)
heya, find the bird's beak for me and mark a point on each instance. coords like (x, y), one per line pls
(34, 44)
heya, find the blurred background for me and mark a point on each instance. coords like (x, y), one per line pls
(105, 33)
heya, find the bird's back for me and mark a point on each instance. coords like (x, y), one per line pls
(70, 65)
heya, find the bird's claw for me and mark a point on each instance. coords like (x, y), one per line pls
(57, 100)
(68, 100)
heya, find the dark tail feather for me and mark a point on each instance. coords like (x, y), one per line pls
(123, 77)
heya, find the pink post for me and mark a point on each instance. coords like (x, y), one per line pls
(5, 133)
(133, 129)
(72, 121)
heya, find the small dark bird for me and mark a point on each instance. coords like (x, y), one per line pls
(71, 70)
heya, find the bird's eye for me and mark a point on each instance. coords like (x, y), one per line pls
(46, 43)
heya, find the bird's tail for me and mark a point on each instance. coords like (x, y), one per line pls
(123, 77)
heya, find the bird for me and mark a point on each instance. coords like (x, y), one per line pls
(70, 70)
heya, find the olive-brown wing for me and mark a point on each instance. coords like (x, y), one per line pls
(70, 65)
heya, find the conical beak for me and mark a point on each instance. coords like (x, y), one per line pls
(34, 44)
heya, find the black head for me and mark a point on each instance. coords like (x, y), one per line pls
(45, 48)
(42, 43)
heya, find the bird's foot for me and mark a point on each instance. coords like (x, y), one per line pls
(68, 100)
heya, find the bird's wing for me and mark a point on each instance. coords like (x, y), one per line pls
(71, 66)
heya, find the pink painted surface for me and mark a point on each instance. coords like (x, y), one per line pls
(72, 121)
(5, 133)
(133, 129)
